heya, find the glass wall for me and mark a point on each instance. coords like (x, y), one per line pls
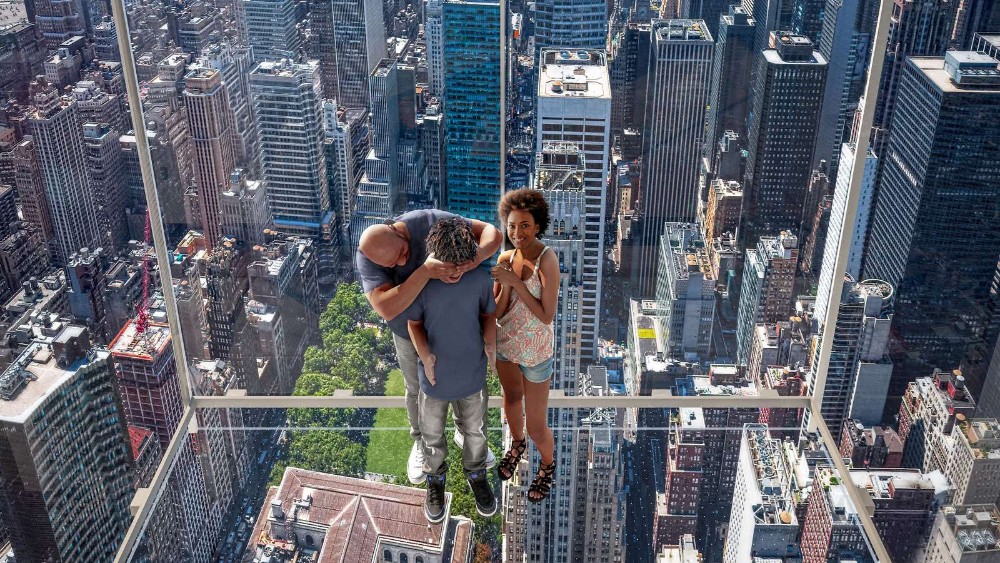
(730, 272)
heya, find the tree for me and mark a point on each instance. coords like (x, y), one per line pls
(348, 309)
(319, 384)
(326, 451)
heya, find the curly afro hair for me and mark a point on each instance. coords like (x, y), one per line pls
(528, 200)
(451, 240)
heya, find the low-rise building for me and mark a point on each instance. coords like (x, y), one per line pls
(332, 518)
(974, 465)
(965, 534)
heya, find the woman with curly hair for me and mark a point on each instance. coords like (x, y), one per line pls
(526, 290)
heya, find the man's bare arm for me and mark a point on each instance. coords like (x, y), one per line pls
(419, 338)
(389, 300)
(489, 238)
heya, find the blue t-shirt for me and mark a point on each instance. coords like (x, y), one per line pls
(450, 312)
(418, 224)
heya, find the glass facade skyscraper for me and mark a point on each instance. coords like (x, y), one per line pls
(474, 125)
(934, 227)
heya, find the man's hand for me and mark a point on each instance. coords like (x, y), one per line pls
(439, 270)
(467, 266)
(491, 355)
(429, 361)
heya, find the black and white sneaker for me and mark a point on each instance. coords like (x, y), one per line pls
(435, 503)
(486, 501)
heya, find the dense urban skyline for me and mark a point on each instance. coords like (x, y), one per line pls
(700, 161)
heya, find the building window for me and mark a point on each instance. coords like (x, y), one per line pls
(403, 558)
(386, 555)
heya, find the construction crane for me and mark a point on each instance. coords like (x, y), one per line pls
(142, 320)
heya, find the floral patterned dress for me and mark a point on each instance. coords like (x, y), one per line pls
(522, 337)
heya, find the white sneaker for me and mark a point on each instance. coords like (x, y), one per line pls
(491, 460)
(415, 466)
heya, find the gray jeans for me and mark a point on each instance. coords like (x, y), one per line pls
(470, 415)
(406, 355)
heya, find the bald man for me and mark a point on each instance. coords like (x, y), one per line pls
(394, 267)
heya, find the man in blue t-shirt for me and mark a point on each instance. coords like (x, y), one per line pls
(452, 325)
(394, 266)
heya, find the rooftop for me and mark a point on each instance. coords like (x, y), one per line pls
(41, 370)
(839, 503)
(141, 346)
(963, 65)
(685, 552)
(682, 30)
(772, 477)
(976, 527)
(574, 74)
(282, 68)
(137, 435)
(882, 484)
(982, 436)
(355, 517)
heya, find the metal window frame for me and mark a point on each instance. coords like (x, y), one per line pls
(145, 499)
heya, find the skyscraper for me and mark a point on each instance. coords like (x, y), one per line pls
(831, 524)
(762, 523)
(243, 211)
(685, 293)
(848, 32)
(231, 338)
(234, 64)
(598, 533)
(473, 86)
(59, 141)
(287, 102)
(681, 60)
(919, 28)
(571, 24)
(378, 193)
(104, 165)
(838, 210)
(858, 375)
(955, 531)
(943, 161)
(785, 116)
(147, 378)
(434, 34)
(559, 174)
(808, 18)
(729, 100)
(574, 95)
(31, 195)
(629, 73)
(65, 461)
(347, 145)
(348, 40)
(58, 20)
(766, 293)
(272, 28)
(212, 136)
(974, 464)
(929, 411)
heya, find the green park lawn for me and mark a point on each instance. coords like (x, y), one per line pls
(388, 450)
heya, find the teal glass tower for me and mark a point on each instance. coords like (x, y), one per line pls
(473, 76)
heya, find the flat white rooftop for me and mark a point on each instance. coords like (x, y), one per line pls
(578, 73)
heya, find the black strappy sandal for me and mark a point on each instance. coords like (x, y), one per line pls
(542, 483)
(508, 465)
